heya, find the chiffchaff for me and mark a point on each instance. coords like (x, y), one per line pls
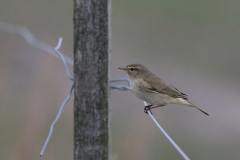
(150, 88)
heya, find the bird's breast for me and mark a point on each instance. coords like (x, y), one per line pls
(141, 90)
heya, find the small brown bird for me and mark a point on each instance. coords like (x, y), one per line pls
(150, 88)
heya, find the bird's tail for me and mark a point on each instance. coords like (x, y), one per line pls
(193, 105)
(187, 102)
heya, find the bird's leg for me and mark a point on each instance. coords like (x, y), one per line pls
(149, 107)
(146, 108)
(156, 106)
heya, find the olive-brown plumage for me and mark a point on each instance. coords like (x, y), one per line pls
(150, 88)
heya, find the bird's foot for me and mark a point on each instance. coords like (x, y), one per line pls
(147, 108)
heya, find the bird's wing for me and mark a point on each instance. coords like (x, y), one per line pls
(156, 84)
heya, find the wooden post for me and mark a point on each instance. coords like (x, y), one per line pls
(91, 49)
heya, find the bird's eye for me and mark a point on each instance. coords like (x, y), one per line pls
(131, 69)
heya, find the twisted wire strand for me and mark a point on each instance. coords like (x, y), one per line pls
(55, 121)
(64, 103)
(166, 135)
(31, 40)
(123, 88)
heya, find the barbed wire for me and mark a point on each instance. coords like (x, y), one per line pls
(28, 36)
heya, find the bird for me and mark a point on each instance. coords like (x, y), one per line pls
(153, 90)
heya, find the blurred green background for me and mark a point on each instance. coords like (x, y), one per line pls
(193, 45)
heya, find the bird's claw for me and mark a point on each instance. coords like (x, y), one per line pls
(147, 108)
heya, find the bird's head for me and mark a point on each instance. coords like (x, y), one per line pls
(135, 70)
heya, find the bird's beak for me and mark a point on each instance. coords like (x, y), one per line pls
(122, 68)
